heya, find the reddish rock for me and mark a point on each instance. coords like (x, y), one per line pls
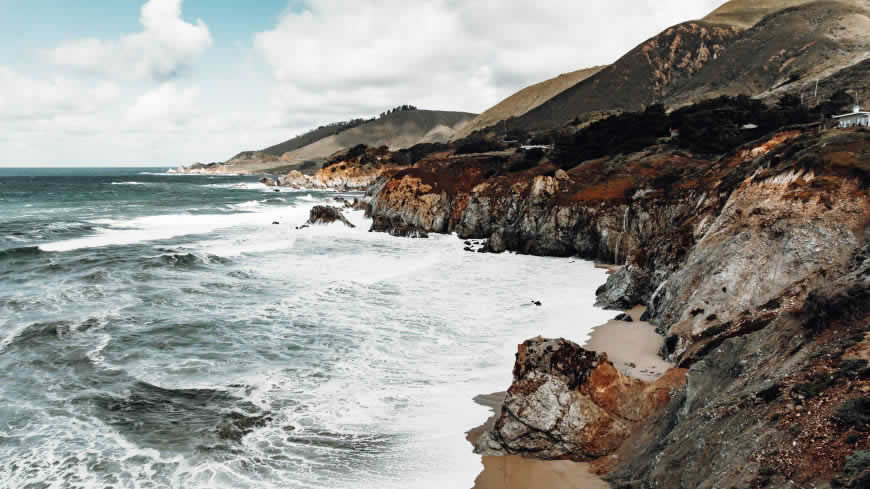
(569, 403)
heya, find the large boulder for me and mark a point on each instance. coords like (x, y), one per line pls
(324, 214)
(569, 403)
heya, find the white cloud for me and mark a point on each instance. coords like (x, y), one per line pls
(165, 108)
(166, 45)
(363, 56)
(335, 60)
(22, 97)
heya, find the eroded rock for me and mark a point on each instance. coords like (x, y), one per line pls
(569, 403)
(324, 214)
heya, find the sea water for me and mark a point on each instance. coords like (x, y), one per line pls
(140, 311)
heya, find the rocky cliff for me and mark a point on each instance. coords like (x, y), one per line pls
(355, 169)
(754, 265)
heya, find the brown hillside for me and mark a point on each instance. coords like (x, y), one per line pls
(747, 13)
(526, 100)
(645, 75)
(396, 131)
(789, 49)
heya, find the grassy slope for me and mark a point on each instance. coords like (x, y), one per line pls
(397, 130)
(747, 13)
(526, 100)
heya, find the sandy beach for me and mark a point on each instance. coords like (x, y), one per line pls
(633, 349)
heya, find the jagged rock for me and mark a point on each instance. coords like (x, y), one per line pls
(269, 182)
(236, 425)
(360, 205)
(625, 288)
(394, 226)
(567, 402)
(624, 317)
(561, 175)
(322, 214)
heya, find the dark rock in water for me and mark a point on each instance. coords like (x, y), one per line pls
(304, 226)
(276, 190)
(537, 303)
(469, 248)
(236, 425)
(269, 182)
(468, 243)
(360, 205)
(275, 222)
(324, 214)
(623, 317)
(395, 226)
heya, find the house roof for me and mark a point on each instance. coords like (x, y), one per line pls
(853, 113)
(856, 112)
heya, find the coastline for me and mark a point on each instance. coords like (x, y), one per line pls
(633, 348)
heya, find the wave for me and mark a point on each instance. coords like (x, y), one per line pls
(251, 204)
(154, 416)
(184, 260)
(167, 226)
(19, 252)
(129, 183)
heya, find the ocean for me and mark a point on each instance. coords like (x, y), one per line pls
(159, 331)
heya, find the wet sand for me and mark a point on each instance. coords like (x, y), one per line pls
(633, 349)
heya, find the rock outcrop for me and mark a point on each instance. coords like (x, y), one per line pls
(353, 170)
(569, 403)
(754, 265)
(324, 214)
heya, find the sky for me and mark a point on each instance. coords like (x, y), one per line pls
(168, 82)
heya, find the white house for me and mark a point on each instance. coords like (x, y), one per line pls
(855, 118)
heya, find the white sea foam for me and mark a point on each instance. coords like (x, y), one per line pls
(403, 334)
(162, 227)
(240, 185)
(129, 183)
(450, 334)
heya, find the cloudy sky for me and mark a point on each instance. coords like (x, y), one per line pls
(178, 81)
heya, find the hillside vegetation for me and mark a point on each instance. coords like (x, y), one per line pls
(396, 131)
(402, 127)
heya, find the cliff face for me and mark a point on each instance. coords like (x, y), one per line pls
(755, 268)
